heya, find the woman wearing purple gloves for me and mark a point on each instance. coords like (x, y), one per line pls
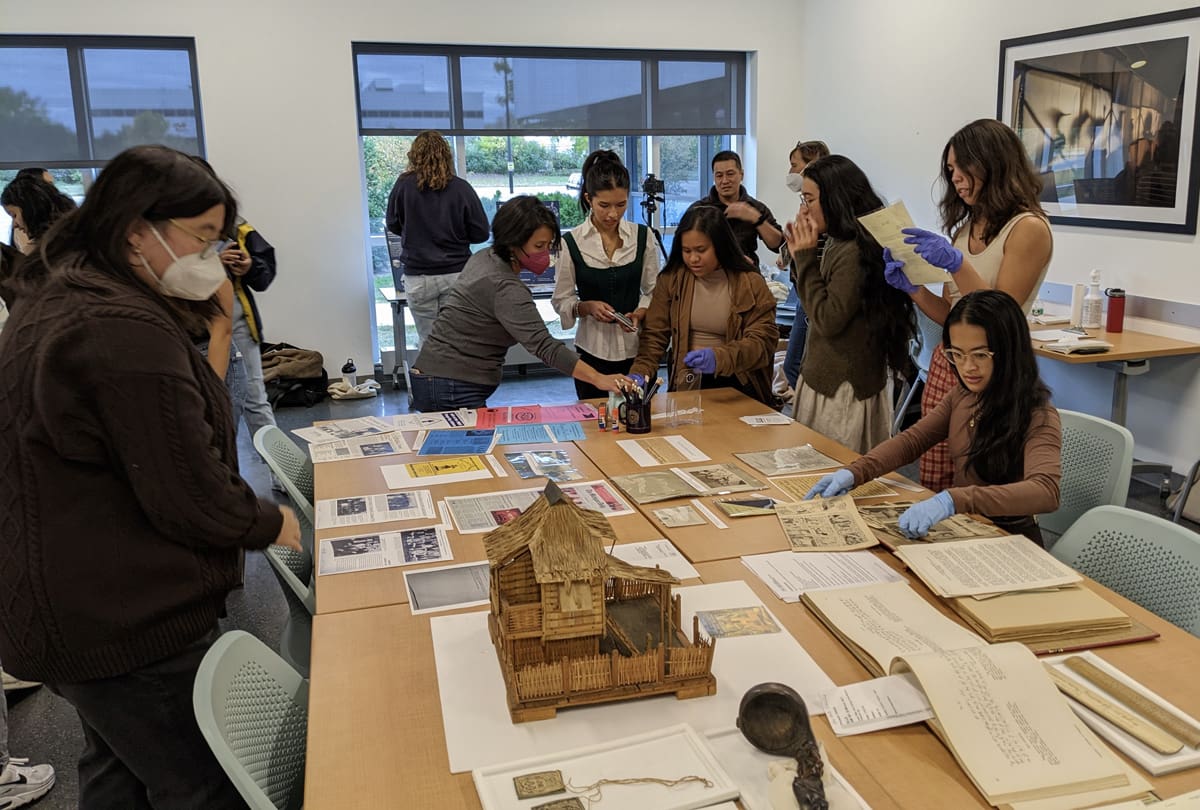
(1004, 436)
(1001, 241)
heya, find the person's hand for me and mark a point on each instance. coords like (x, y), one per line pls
(236, 261)
(801, 233)
(934, 248)
(702, 360)
(893, 273)
(637, 316)
(640, 379)
(289, 533)
(831, 485)
(918, 519)
(742, 210)
(613, 383)
(598, 310)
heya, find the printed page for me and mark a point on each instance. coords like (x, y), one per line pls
(458, 442)
(431, 590)
(788, 460)
(435, 471)
(473, 514)
(523, 434)
(887, 621)
(343, 429)
(885, 517)
(435, 420)
(365, 552)
(789, 575)
(661, 553)
(359, 510)
(887, 702)
(797, 486)
(649, 487)
(660, 450)
(718, 479)
(764, 419)
(579, 412)
(986, 565)
(824, 524)
(1008, 726)
(384, 444)
(886, 225)
(598, 496)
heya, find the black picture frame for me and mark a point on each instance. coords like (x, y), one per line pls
(1115, 144)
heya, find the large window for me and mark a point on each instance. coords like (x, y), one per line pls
(521, 121)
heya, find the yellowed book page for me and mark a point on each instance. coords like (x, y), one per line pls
(1137, 786)
(1008, 725)
(797, 486)
(824, 524)
(1062, 609)
(986, 565)
(889, 621)
(886, 225)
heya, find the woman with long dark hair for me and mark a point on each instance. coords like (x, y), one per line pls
(859, 326)
(714, 310)
(1001, 241)
(34, 206)
(124, 513)
(1004, 436)
(607, 270)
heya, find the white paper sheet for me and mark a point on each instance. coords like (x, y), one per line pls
(437, 420)
(473, 514)
(380, 444)
(773, 418)
(449, 587)
(888, 702)
(886, 225)
(475, 713)
(363, 510)
(342, 429)
(789, 575)
(656, 451)
(986, 565)
(366, 552)
(657, 552)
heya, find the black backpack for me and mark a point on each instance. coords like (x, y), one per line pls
(293, 376)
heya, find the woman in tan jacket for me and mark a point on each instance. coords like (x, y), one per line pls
(713, 308)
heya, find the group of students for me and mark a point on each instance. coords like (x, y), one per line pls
(123, 508)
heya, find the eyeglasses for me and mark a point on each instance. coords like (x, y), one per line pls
(211, 246)
(977, 357)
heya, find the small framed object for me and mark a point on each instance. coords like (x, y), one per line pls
(539, 783)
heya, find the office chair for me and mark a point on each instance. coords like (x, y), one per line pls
(1097, 457)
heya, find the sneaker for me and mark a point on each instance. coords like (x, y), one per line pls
(22, 783)
(12, 684)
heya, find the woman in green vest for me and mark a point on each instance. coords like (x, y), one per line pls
(608, 269)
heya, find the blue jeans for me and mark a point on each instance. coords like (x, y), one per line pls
(445, 394)
(795, 347)
(254, 406)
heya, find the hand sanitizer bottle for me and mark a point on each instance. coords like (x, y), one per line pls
(1093, 303)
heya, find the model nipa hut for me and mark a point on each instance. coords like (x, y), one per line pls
(574, 626)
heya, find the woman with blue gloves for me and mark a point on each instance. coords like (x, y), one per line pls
(1001, 241)
(714, 310)
(1004, 436)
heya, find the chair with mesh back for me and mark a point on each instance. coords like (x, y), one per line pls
(290, 464)
(1097, 458)
(1146, 559)
(252, 709)
(294, 570)
(929, 335)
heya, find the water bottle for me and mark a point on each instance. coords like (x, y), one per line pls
(350, 373)
(1116, 310)
(1093, 304)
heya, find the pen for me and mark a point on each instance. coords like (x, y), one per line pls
(654, 388)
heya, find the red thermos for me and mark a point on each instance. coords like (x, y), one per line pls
(1116, 310)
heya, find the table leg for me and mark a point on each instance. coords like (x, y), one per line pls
(400, 336)
(1120, 400)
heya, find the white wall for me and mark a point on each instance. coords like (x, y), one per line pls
(887, 83)
(277, 90)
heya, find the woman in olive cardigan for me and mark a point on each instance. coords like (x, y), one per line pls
(713, 308)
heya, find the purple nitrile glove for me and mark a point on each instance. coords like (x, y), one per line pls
(831, 485)
(919, 518)
(640, 379)
(893, 273)
(934, 248)
(702, 360)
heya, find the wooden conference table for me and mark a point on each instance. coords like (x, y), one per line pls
(375, 732)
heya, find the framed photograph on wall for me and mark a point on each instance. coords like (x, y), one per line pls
(1108, 116)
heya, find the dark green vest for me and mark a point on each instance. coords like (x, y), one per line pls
(620, 287)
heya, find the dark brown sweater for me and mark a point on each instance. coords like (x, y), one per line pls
(121, 510)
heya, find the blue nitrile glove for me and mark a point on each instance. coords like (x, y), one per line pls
(919, 518)
(640, 379)
(893, 273)
(832, 485)
(702, 360)
(934, 248)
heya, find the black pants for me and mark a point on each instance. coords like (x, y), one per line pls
(585, 390)
(143, 746)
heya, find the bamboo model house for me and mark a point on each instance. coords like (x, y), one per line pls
(574, 626)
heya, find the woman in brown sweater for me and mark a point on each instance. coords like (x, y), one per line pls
(1004, 436)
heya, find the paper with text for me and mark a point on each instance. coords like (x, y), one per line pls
(365, 552)
(887, 702)
(378, 444)
(435, 471)
(361, 510)
(886, 225)
(986, 565)
(660, 553)
(659, 450)
(789, 575)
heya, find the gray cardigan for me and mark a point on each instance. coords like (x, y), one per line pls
(489, 310)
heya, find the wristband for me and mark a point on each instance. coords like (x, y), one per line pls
(575, 309)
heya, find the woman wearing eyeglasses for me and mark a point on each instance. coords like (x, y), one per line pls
(1003, 435)
(1001, 241)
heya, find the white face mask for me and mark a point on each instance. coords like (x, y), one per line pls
(794, 181)
(194, 277)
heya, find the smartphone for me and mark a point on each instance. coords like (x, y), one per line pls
(621, 319)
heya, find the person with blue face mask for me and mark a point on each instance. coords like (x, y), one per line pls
(490, 310)
(123, 509)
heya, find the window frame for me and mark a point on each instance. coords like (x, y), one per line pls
(75, 45)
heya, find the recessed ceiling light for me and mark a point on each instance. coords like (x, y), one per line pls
(1141, 63)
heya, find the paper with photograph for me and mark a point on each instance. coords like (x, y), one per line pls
(598, 496)
(657, 485)
(674, 517)
(366, 552)
(473, 514)
(458, 442)
(718, 479)
(659, 450)
(447, 587)
(361, 510)
(886, 225)
(825, 524)
(737, 621)
(788, 460)
(797, 486)
(660, 553)
(436, 471)
(378, 444)
(342, 429)
(885, 517)
(435, 420)
(554, 465)
(790, 575)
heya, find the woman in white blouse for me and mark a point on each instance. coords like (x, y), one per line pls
(607, 270)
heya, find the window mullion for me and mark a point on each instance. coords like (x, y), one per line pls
(83, 117)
